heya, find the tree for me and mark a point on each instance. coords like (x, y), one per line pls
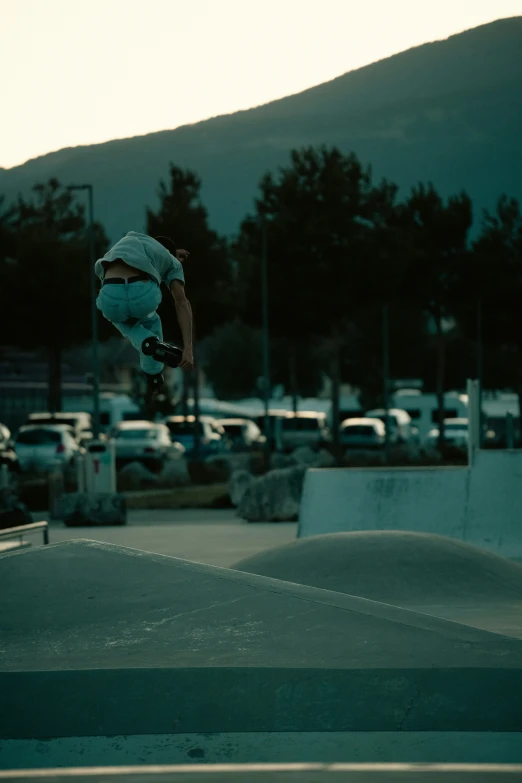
(233, 357)
(436, 247)
(44, 275)
(233, 354)
(491, 293)
(182, 217)
(320, 212)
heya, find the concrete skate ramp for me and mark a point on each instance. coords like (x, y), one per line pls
(427, 572)
(105, 640)
(395, 565)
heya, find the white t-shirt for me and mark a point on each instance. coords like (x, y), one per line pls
(146, 254)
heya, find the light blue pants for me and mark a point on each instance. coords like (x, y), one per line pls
(131, 307)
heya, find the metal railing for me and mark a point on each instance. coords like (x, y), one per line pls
(21, 530)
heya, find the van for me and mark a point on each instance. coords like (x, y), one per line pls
(80, 421)
(115, 408)
(304, 428)
(424, 410)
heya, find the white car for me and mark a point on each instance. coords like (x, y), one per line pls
(242, 433)
(80, 421)
(212, 437)
(456, 433)
(43, 447)
(145, 441)
(304, 428)
(400, 423)
(363, 433)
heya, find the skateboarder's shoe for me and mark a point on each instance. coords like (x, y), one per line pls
(155, 385)
(163, 352)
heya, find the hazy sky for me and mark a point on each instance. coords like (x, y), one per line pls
(85, 71)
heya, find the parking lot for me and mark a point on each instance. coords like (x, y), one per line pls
(211, 536)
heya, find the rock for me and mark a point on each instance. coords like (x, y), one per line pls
(304, 455)
(174, 474)
(313, 459)
(12, 511)
(279, 460)
(79, 509)
(233, 461)
(274, 497)
(239, 482)
(220, 467)
(135, 476)
(326, 459)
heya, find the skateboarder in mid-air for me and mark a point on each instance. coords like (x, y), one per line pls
(131, 273)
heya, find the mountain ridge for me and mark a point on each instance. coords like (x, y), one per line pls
(430, 112)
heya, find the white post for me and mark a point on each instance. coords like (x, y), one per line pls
(473, 390)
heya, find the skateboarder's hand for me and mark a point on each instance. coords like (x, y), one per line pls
(187, 359)
(182, 255)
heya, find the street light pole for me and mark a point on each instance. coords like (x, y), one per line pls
(386, 377)
(94, 315)
(266, 343)
(480, 363)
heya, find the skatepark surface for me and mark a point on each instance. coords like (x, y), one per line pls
(423, 572)
(125, 654)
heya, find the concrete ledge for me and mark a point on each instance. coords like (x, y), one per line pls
(198, 496)
(479, 505)
(100, 702)
(227, 746)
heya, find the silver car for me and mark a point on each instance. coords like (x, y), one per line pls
(145, 441)
(243, 434)
(304, 428)
(43, 447)
(363, 433)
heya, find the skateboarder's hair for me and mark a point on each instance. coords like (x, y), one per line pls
(168, 243)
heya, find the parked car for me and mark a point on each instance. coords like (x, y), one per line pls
(304, 428)
(363, 433)
(80, 421)
(145, 441)
(7, 453)
(399, 422)
(5, 434)
(42, 447)
(243, 434)
(275, 415)
(212, 436)
(456, 433)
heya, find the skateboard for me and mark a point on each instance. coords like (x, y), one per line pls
(163, 352)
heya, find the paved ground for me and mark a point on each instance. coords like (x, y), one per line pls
(211, 536)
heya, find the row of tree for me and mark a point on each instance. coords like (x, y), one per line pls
(341, 250)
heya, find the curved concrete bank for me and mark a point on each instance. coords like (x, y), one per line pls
(433, 574)
(481, 505)
(101, 641)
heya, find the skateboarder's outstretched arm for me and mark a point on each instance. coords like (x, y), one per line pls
(184, 315)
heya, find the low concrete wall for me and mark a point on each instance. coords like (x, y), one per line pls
(193, 496)
(481, 505)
